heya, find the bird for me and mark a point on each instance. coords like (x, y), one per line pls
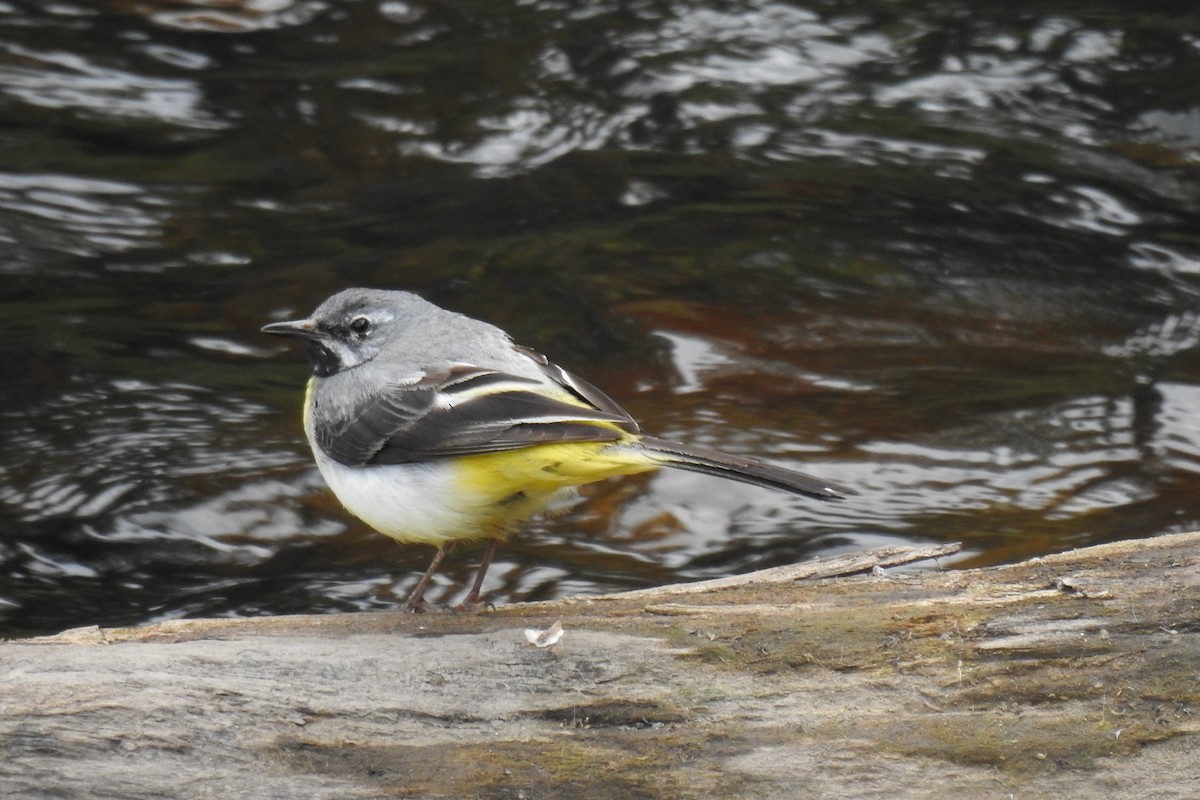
(433, 428)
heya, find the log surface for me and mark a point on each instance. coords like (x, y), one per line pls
(1067, 676)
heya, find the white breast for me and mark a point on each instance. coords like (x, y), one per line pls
(408, 502)
(420, 503)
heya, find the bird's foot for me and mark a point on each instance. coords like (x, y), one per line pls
(470, 606)
(425, 607)
(419, 607)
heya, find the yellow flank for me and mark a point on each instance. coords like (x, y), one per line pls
(512, 485)
(308, 393)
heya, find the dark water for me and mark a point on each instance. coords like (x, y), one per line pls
(946, 252)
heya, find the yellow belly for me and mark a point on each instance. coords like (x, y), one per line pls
(507, 488)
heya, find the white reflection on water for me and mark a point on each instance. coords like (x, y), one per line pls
(875, 150)
(61, 79)
(533, 133)
(143, 441)
(1178, 438)
(1161, 258)
(739, 53)
(760, 44)
(78, 215)
(692, 356)
(1078, 456)
(244, 16)
(1093, 209)
(980, 82)
(1174, 334)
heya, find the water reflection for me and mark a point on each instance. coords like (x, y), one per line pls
(59, 79)
(945, 253)
(222, 16)
(76, 216)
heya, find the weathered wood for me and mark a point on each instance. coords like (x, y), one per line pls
(827, 567)
(1075, 675)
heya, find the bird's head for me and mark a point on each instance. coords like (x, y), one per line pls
(350, 328)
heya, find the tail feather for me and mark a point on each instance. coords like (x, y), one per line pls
(740, 468)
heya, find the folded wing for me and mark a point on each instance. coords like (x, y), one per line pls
(467, 410)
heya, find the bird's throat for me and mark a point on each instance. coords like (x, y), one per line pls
(324, 361)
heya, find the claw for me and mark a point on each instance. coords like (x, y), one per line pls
(470, 606)
(416, 603)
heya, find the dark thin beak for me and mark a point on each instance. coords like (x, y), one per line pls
(300, 328)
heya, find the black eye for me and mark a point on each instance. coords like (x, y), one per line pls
(360, 325)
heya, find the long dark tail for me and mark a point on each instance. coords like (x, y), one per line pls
(739, 468)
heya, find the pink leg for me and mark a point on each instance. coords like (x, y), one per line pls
(416, 600)
(471, 603)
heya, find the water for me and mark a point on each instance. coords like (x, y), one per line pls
(944, 252)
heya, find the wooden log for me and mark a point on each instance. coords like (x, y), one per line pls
(1075, 675)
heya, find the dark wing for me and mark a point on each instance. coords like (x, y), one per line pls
(468, 410)
(584, 391)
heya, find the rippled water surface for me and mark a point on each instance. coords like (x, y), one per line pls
(946, 252)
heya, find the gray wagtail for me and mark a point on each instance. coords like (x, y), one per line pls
(434, 428)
